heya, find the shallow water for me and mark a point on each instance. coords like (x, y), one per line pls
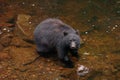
(97, 20)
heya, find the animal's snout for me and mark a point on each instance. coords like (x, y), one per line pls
(73, 45)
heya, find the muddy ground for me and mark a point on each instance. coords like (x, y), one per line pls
(99, 26)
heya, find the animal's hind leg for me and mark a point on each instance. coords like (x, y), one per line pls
(43, 54)
(42, 51)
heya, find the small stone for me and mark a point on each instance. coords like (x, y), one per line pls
(113, 27)
(52, 69)
(23, 3)
(1, 66)
(43, 72)
(33, 4)
(30, 28)
(83, 58)
(3, 77)
(8, 30)
(108, 19)
(118, 11)
(88, 20)
(84, 12)
(30, 22)
(48, 60)
(107, 31)
(86, 53)
(93, 25)
(118, 2)
(33, 75)
(14, 76)
(116, 25)
(40, 66)
(4, 29)
(50, 72)
(48, 68)
(108, 26)
(1, 32)
(86, 32)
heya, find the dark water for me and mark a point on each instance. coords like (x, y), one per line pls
(97, 20)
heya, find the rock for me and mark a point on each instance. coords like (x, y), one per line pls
(24, 25)
(86, 53)
(82, 70)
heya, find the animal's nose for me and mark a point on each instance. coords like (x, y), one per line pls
(73, 45)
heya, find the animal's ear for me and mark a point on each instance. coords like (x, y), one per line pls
(65, 33)
(77, 32)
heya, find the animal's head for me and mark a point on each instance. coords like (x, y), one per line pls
(72, 40)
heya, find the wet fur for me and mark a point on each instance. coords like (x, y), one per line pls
(49, 36)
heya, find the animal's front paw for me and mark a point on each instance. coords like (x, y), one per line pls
(69, 64)
(77, 56)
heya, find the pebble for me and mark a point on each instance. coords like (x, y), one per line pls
(1, 32)
(14, 77)
(33, 4)
(23, 2)
(83, 58)
(30, 28)
(48, 68)
(40, 66)
(113, 27)
(93, 25)
(43, 72)
(107, 31)
(84, 12)
(108, 26)
(86, 53)
(4, 29)
(33, 75)
(1, 66)
(88, 20)
(86, 32)
(118, 11)
(118, 2)
(50, 72)
(30, 22)
(52, 69)
(8, 30)
(48, 60)
(116, 25)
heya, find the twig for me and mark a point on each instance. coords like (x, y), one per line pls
(28, 63)
(21, 28)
